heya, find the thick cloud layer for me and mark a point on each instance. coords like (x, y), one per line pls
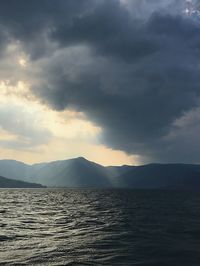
(131, 66)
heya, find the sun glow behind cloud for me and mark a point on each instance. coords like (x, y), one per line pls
(22, 62)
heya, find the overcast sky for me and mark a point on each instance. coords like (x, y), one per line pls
(115, 81)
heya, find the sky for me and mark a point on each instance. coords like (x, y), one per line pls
(117, 82)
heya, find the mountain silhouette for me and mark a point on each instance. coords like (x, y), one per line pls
(79, 172)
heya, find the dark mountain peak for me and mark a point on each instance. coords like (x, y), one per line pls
(81, 159)
(76, 159)
(84, 162)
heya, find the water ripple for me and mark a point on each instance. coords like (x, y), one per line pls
(99, 227)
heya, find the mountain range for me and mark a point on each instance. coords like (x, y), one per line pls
(79, 172)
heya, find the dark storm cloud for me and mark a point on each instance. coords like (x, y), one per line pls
(133, 75)
(31, 21)
(110, 31)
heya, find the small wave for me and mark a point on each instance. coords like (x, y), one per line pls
(7, 238)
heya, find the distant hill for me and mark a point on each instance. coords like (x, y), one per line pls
(11, 183)
(162, 176)
(79, 172)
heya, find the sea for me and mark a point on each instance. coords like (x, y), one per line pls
(99, 227)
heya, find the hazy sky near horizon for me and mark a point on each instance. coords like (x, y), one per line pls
(116, 81)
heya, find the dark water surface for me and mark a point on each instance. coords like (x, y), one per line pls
(99, 227)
